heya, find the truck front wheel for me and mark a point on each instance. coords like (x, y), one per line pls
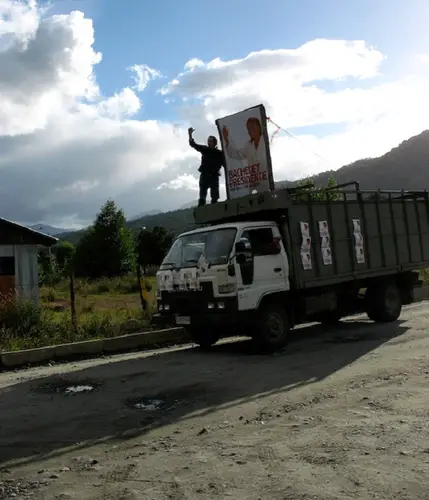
(383, 303)
(272, 329)
(204, 337)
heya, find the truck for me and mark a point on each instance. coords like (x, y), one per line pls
(261, 264)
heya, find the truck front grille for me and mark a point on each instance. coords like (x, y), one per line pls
(188, 302)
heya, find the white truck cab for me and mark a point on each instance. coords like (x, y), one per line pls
(213, 277)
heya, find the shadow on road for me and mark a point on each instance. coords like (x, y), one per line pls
(38, 418)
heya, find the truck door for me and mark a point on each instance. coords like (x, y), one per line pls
(270, 264)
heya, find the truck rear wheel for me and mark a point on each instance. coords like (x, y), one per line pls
(273, 327)
(204, 337)
(383, 303)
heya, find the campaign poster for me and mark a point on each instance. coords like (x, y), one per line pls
(246, 146)
(325, 242)
(360, 255)
(305, 246)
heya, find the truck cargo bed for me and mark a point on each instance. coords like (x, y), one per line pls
(359, 235)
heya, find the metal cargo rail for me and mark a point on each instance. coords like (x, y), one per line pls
(394, 227)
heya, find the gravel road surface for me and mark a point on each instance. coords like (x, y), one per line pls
(342, 413)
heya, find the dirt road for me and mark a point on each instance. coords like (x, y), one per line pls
(341, 414)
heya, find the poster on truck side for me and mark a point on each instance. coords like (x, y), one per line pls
(360, 255)
(246, 146)
(325, 242)
(305, 246)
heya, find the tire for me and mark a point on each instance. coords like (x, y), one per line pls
(273, 327)
(383, 303)
(205, 338)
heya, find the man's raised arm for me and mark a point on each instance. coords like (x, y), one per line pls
(198, 147)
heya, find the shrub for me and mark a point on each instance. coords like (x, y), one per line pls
(105, 307)
(19, 315)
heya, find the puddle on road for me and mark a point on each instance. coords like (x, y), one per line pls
(149, 404)
(68, 387)
(165, 402)
(75, 389)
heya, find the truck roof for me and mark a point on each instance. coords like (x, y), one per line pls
(238, 225)
(243, 207)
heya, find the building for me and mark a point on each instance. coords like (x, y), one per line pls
(18, 259)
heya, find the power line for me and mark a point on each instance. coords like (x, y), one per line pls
(300, 142)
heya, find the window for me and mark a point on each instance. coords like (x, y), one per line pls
(7, 266)
(215, 245)
(262, 241)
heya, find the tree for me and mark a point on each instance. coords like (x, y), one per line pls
(318, 193)
(152, 246)
(377, 196)
(64, 253)
(106, 249)
(55, 263)
(49, 270)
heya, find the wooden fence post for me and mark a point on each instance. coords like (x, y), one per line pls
(139, 279)
(73, 304)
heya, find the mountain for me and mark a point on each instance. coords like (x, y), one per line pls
(190, 204)
(404, 167)
(144, 214)
(175, 222)
(45, 228)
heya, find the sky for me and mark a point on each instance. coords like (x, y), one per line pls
(96, 96)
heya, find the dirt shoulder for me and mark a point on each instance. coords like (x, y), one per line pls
(339, 415)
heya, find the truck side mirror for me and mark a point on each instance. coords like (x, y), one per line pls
(244, 258)
(243, 251)
(240, 247)
(240, 258)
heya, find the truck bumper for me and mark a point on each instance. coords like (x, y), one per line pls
(226, 322)
(162, 321)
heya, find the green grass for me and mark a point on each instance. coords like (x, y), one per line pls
(113, 286)
(424, 275)
(104, 308)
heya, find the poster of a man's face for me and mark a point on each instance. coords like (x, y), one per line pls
(246, 148)
(254, 128)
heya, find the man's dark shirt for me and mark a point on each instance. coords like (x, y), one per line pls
(212, 159)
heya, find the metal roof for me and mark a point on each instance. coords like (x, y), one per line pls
(41, 238)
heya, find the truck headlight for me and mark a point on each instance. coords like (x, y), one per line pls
(210, 305)
(227, 288)
(166, 307)
(160, 307)
(221, 305)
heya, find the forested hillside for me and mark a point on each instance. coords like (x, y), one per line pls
(404, 167)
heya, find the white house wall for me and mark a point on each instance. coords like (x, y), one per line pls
(26, 272)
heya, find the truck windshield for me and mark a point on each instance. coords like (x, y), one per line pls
(214, 245)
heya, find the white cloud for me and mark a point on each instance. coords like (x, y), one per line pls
(142, 75)
(18, 19)
(183, 181)
(292, 85)
(122, 104)
(424, 58)
(313, 61)
(66, 147)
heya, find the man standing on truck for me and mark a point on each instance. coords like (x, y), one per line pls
(212, 160)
